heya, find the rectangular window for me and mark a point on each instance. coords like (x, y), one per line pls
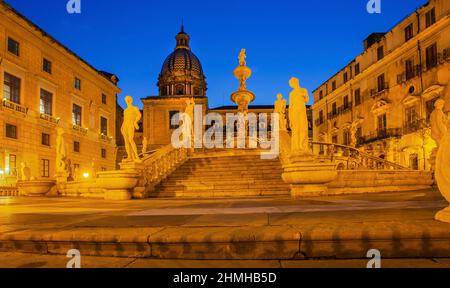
(13, 46)
(345, 77)
(174, 117)
(321, 119)
(430, 17)
(381, 84)
(46, 102)
(45, 165)
(409, 69)
(77, 83)
(380, 53)
(320, 95)
(358, 99)
(104, 153)
(11, 131)
(103, 126)
(346, 103)
(45, 139)
(347, 139)
(76, 115)
(411, 116)
(382, 124)
(12, 165)
(431, 56)
(104, 99)
(334, 109)
(333, 85)
(47, 66)
(76, 146)
(11, 88)
(409, 32)
(357, 69)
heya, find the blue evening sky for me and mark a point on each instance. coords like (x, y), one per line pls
(311, 39)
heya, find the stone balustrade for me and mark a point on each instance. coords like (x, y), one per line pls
(9, 192)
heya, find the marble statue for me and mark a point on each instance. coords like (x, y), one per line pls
(131, 117)
(25, 172)
(442, 174)
(354, 131)
(242, 57)
(438, 122)
(187, 119)
(298, 118)
(144, 145)
(60, 152)
(280, 108)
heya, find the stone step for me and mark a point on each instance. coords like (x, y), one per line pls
(231, 169)
(224, 187)
(196, 181)
(220, 194)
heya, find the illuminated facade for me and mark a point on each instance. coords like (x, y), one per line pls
(382, 100)
(43, 86)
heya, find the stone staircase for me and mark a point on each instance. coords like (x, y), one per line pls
(223, 174)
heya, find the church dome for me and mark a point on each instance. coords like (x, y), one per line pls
(182, 59)
(182, 72)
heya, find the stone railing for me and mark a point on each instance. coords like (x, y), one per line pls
(14, 106)
(9, 192)
(350, 158)
(79, 129)
(49, 118)
(161, 163)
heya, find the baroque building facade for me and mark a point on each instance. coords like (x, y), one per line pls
(382, 100)
(45, 86)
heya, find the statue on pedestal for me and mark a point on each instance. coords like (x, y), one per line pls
(60, 152)
(440, 129)
(25, 172)
(280, 108)
(131, 117)
(144, 146)
(242, 57)
(298, 118)
(438, 122)
(354, 131)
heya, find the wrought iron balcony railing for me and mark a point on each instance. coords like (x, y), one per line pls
(380, 91)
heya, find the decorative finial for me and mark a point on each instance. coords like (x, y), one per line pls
(182, 24)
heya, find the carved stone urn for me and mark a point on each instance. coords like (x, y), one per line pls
(118, 185)
(307, 177)
(35, 188)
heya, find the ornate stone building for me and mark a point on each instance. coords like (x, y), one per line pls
(43, 86)
(382, 100)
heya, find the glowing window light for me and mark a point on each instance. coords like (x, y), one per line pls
(86, 175)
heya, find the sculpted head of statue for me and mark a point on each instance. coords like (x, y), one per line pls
(294, 83)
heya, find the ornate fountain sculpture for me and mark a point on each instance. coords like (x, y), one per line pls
(242, 97)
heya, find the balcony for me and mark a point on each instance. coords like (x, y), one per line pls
(381, 135)
(319, 122)
(49, 118)
(409, 74)
(79, 129)
(15, 107)
(380, 91)
(105, 138)
(346, 108)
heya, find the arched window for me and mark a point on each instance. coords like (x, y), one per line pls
(179, 90)
(164, 91)
(197, 91)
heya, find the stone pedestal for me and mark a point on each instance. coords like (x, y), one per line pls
(118, 185)
(306, 177)
(444, 215)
